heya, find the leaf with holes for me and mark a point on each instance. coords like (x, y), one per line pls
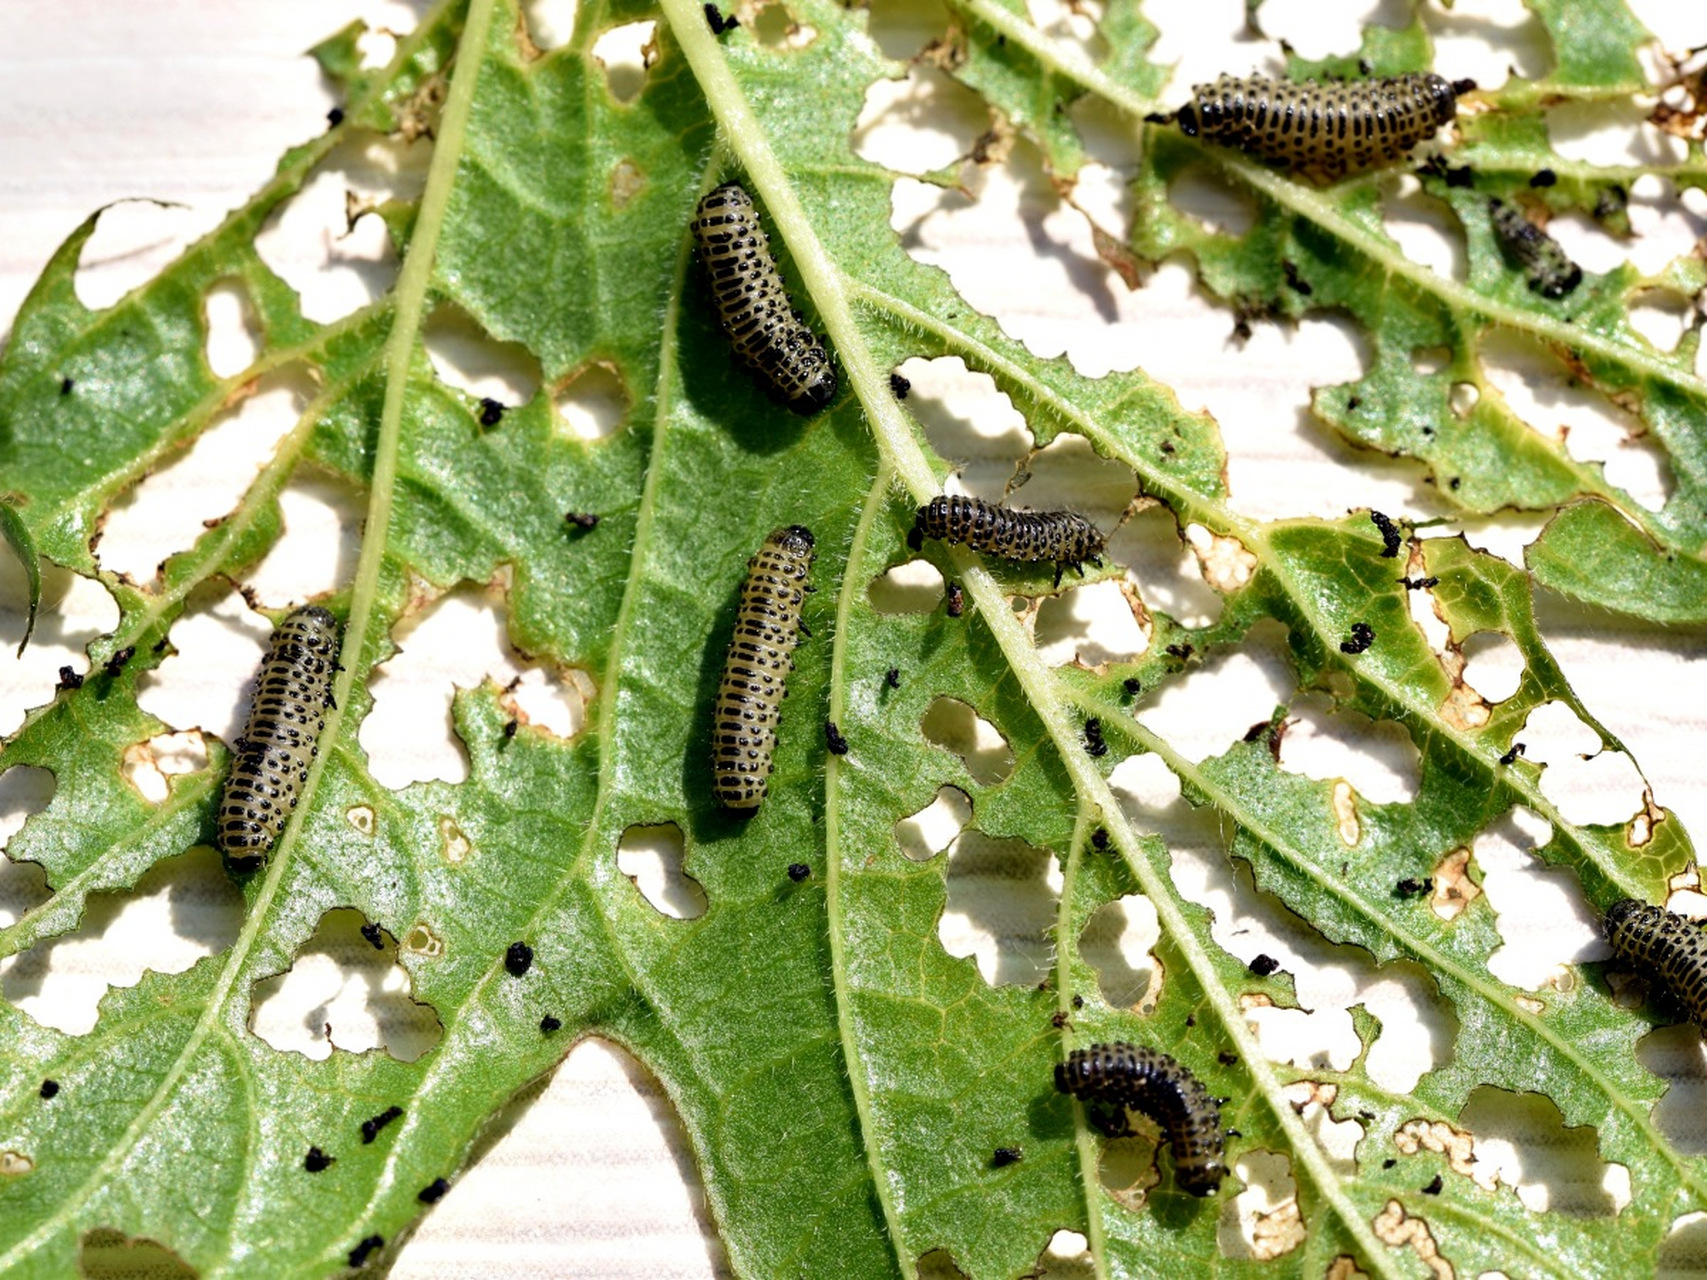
(972, 858)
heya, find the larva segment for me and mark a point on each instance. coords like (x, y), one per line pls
(1062, 538)
(752, 304)
(1666, 944)
(281, 737)
(755, 674)
(1322, 131)
(1147, 1080)
(1526, 246)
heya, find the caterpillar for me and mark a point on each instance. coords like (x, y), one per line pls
(1062, 537)
(1663, 943)
(1148, 1080)
(755, 674)
(1551, 273)
(752, 304)
(279, 741)
(1322, 131)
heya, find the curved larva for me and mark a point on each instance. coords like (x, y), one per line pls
(1551, 272)
(752, 304)
(755, 674)
(1148, 1080)
(1322, 131)
(279, 741)
(1062, 538)
(1663, 943)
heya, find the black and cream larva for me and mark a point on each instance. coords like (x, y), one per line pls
(1322, 131)
(1148, 1080)
(270, 761)
(1665, 945)
(755, 674)
(1531, 250)
(752, 304)
(1062, 538)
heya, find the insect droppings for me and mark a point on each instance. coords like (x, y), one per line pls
(954, 600)
(117, 663)
(717, 22)
(1099, 839)
(360, 1253)
(752, 303)
(433, 1192)
(372, 1125)
(1263, 965)
(1544, 178)
(582, 519)
(1005, 1156)
(1362, 636)
(1510, 757)
(518, 958)
(1062, 538)
(69, 680)
(1662, 944)
(1411, 887)
(1132, 686)
(1148, 1080)
(833, 739)
(271, 759)
(899, 386)
(1094, 743)
(798, 871)
(318, 1161)
(49, 1089)
(1434, 1186)
(1390, 539)
(892, 677)
(1419, 584)
(1527, 247)
(335, 117)
(1322, 131)
(755, 673)
(549, 1023)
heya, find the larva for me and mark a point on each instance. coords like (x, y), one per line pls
(755, 674)
(1664, 943)
(1526, 246)
(272, 757)
(752, 304)
(1322, 131)
(1063, 538)
(1148, 1080)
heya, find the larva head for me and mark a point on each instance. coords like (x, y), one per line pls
(316, 614)
(795, 538)
(1626, 921)
(1443, 94)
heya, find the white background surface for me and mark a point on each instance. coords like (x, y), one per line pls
(192, 102)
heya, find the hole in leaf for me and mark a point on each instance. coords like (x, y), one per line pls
(466, 357)
(1493, 665)
(1554, 1168)
(922, 122)
(652, 856)
(1070, 473)
(913, 587)
(1378, 758)
(1611, 133)
(932, 829)
(1661, 316)
(1589, 785)
(1317, 31)
(321, 541)
(1067, 1256)
(63, 632)
(1684, 1250)
(1428, 361)
(134, 241)
(550, 23)
(1263, 1221)
(967, 418)
(1313, 1101)
(149, 766)
(902, 28)
(528, 1181)
(24, 790)
(1001, 910)
(954, 726)
(1165, 571)
(1664, 223)
(1247, 685)
(593, 403)
(183, 908)
(776, 27)
(1116, 942)
(1093, 625)
(106, 1254)
(455, 643)
(233, 332)
(1488, 41)
(1427, 230)
(171, 508)
(1540, 912)
(342, 992)
(1678, 1055)
(1127, 1168)
(323, 241)
(207, 681)
(626, 53)
(939, 1264)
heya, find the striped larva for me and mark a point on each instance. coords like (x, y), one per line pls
(1148, 1080)
(752, 303)
(755, 674)
(1322, 131)
(1664, 944)
(1526, 246)
(280, 739)
(1062, 538)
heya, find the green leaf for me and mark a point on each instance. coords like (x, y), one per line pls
(842, 1079)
